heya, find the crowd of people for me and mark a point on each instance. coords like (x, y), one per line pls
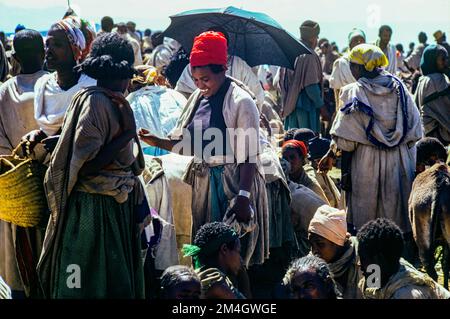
(184, 173)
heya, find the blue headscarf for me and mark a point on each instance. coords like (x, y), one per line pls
(429, 57)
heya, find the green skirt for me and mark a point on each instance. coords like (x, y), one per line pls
(99, 252)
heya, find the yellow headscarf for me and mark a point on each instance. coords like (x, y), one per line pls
(368, 55)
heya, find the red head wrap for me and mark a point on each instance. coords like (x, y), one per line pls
(296, 144)
(209, 48)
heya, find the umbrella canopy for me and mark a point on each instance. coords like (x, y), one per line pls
(255, 37)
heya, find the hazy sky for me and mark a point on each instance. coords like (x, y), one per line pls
(336, 17)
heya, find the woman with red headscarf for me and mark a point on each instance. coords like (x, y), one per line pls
(226, 174)
(296, 153)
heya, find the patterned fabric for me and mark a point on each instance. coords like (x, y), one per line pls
(5, 292)
(368, 55)
(212, 276)
(72, 27)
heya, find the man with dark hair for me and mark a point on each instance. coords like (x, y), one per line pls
(380, 247)
(301, 89)
(383, 42)
(412, 62)
(327, 55)
(107, 25)
(17, 119)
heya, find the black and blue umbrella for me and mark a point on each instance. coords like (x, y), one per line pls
(255, 37)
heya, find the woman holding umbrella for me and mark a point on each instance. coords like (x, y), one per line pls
(227, 179)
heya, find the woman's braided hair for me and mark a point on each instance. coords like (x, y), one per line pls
(111, 57)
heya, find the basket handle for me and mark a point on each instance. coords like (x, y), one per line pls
(25, 146)
(7, 162)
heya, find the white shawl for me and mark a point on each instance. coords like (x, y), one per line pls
(51, 102)
(341, 74)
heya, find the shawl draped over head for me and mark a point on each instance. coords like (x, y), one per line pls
(79, 33)
(428, 62)
(433, 99)
(4, 66)
(209, 48)
(209, 248)
(368, 55)
(296, 144)
(330, 223)
(375, 127)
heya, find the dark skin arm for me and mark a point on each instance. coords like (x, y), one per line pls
(156, 141)
(241, 208)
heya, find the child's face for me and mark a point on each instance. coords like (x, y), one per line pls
(295, 160)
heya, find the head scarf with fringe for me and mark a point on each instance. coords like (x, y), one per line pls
(71, 26)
